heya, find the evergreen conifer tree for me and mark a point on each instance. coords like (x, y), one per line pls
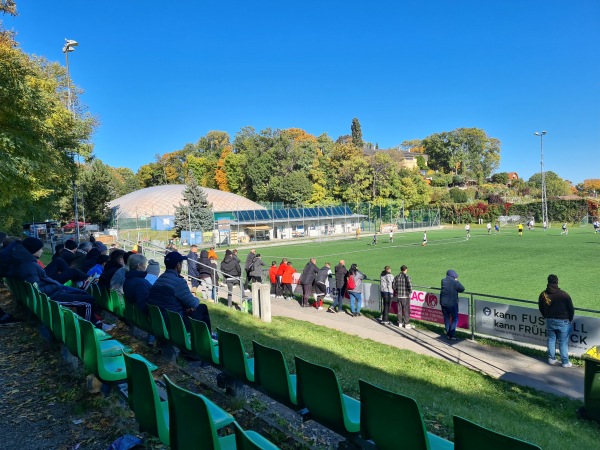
(357, 139)
(195, 213)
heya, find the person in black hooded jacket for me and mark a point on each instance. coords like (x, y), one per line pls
(557, 308)
(230, 266)
(24, 265)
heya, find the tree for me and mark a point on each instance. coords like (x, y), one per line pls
(38, 134)
(96, 190)
(555, 185)
(465, 151)
(195, 214)
(357, 138)
(123, 181)
(500, 178)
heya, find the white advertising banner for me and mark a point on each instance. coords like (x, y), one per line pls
(523, 324)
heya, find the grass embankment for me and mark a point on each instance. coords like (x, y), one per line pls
(504, 265)
(442, 389)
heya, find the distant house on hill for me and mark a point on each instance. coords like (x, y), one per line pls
(512, 176)
(408, 160)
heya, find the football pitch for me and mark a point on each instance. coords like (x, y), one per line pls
(503, 265)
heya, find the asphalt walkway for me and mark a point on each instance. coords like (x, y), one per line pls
(502, 363)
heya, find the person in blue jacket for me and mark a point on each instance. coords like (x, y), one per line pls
(171, 292)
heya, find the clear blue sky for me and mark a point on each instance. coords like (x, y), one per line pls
(162, 74)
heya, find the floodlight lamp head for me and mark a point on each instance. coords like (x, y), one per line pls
(536, 133)
(71, 43)
(543, 133)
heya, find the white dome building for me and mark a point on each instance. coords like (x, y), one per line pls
(162, 201)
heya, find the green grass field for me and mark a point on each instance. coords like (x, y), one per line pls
(503, 265)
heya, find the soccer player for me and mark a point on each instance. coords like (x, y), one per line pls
(468, 230)
(424, 239)
(375, 239)
(565, 230)
(496, 229)
(596, 226)
(489, 228)
(391, 236)
(520, 227)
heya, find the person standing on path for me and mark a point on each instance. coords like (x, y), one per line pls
(386, 280)
(340, 278)
(230, 266)
(320, 285)
(247, 267)
(355, 289)
(451, 287)
(307, 280)
(193, 269)
(403, 287)
(556, 307)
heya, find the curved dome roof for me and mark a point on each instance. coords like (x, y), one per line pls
(162, 201)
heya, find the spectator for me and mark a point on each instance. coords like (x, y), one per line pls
(286, 281)
(273, 278)
(256, 269)
(214, 277)
(230, 266)
(57, 250)
(340, 279)
(212, 254)
(152, 271)
(386, 281)
(80, 254)
(556, 307)
(403, 287)
(247, 266)
(355, 293)
(280, 271)
(307, 280)
(68, 252)
(25, 267)
(171, 292)
(116, 261)
(117, 280)
(193, 269)
(321, 285)
(61, 272)
(205, 273)
(451, 287)
(97, 270)
(136, 288)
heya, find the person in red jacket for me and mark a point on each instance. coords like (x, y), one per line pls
(280, 270)
(273, 278)
(286, 281)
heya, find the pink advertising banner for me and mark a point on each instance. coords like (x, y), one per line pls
(426, 306)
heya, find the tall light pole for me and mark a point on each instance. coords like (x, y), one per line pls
(68, 48)
(545, 221)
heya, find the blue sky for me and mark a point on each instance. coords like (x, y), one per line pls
(161, 74)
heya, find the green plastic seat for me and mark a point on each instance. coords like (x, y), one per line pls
(203, 345)
(142, 320)
(129, 312)
(470, 436)
(159, 327)
(320, 392)
(251, 440)
(177, 331)
(45, 314)
(194, 421)
(72, 334)
(106, 368)
(233, 357)
(390, 420)
(116, 303)
(102, 297)
(151, 413)
(58, 326)
(271, 373)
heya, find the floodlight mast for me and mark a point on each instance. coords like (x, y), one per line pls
(69, 46)
(545, 221)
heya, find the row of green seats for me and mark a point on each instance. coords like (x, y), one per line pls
(185, 418)
(387, 419)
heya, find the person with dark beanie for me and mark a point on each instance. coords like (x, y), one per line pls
(4, 316)
(556, 307)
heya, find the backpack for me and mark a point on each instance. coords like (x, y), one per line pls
(350, 284)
